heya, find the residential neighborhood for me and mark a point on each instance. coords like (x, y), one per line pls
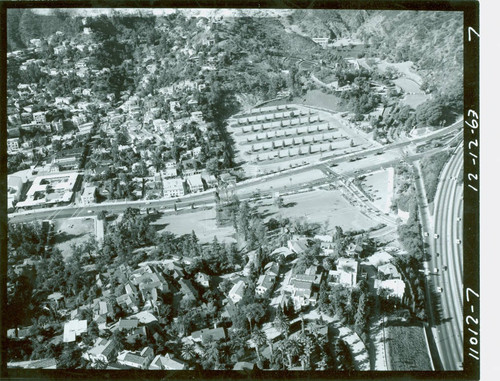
(234, 189)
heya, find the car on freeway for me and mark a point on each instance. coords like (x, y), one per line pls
(445, 268)
(459, 219)
(436, 236)
(436, 270)
(439, 289)
(437, 254)
(459, 241)
(426, 234)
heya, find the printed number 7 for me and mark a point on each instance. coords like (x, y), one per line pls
(471, 29)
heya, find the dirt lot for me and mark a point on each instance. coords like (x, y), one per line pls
(320, 206)
(72, 231)
(379, 186)
(202, 221)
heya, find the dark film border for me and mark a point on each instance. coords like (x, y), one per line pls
(471, 276)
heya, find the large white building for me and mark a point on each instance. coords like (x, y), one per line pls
(173, 187)
(14, 188)
(50, 189)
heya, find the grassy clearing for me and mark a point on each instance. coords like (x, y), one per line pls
(72, 231)
(407, 348)
(202, 221)
(413, 100)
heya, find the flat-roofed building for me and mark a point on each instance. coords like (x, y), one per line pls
(74, 328)
(39, 117)
(195, 183)
(51, 189)
(12, 145)
(173, 187)
(88, 195)
(14, 188)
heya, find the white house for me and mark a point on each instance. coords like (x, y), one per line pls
(167, 362)
(74, 328)
(134, 360)
(237, 291)
(103, 351)
(348, 271)
(394, 287)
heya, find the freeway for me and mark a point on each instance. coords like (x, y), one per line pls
(245, 187)
(449, 262)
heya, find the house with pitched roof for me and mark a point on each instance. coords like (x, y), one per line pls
(188, 290)
(237, 291)
(265, 283)
(103, 350)
(167, 362)
(136, 360)
(388, 271)
(207, 335)
(392, 288)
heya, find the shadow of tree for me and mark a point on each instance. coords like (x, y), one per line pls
(64, 237)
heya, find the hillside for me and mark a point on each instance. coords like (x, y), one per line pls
(431, 40)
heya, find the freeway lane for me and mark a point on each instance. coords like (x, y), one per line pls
(447, 211)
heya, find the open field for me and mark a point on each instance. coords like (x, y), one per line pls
(379, 186)
(413, 100)
(402, 67)
(407, 85)
(320, 206)
(407, 348)
(202, 221)
(72, 231)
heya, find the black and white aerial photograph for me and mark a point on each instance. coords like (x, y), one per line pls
(237, 189)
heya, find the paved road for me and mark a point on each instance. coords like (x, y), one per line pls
(246, 187)
(448, 225)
